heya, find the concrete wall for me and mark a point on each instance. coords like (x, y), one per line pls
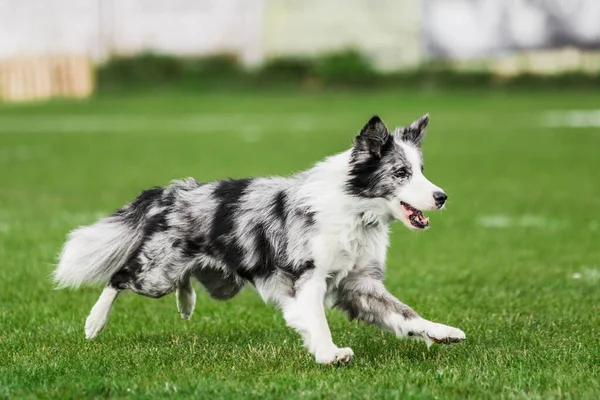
(99, 28)
(42, 27)
(185, 27)
(387, 30)
(392, 33)
(463, 29)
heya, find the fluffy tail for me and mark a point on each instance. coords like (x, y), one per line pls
(92, 254)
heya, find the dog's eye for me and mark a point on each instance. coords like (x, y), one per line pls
(401, 172)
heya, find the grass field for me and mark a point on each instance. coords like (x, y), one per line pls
(514, 260)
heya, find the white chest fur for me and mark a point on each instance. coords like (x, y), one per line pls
(339, 251)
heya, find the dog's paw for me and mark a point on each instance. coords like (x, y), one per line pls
(335, 356)
(93, 326)
(186, 301)
(186, 312)
(440, 333)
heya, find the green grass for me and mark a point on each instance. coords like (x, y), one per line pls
(499, 263)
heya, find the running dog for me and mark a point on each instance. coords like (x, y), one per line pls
(314, 239)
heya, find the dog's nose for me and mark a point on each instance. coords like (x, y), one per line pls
(440, 198)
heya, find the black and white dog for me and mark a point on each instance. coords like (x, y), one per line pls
(319, 237)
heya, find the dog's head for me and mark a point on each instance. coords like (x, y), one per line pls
(389, 166)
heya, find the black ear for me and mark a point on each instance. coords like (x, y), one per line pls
(415, 133)
(373, 136)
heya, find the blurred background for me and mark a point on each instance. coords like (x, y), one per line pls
(100, 99)
(48, 44)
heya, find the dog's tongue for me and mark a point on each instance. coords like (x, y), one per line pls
(416, 214)
(422, 218)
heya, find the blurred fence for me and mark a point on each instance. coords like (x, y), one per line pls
(41, 78)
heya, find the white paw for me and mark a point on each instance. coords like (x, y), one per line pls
(445, 334)
(94, 325)
(186, 301)
(335, 356)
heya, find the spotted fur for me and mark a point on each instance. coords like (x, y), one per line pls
(318, 236)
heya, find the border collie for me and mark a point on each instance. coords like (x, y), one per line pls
(315, 239)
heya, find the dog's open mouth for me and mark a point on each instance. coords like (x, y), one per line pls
(414, 217)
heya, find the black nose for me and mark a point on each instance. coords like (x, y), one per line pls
(440, 198)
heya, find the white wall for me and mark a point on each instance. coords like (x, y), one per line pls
(386, 30)
(99, 28)
(393, 33)
(187, 27)
(34, 27)
(461, 29)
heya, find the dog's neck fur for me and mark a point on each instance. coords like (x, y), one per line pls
(322, 188)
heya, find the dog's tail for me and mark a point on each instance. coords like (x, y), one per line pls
(92, 254)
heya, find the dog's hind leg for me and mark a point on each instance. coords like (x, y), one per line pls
(98, 317)
(186, 298)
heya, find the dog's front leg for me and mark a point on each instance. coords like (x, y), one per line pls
(363, 296)
(305, 312)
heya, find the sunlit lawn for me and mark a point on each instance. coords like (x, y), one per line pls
(514, 261)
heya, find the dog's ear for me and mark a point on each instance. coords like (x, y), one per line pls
(372, 137)
(415, 133)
